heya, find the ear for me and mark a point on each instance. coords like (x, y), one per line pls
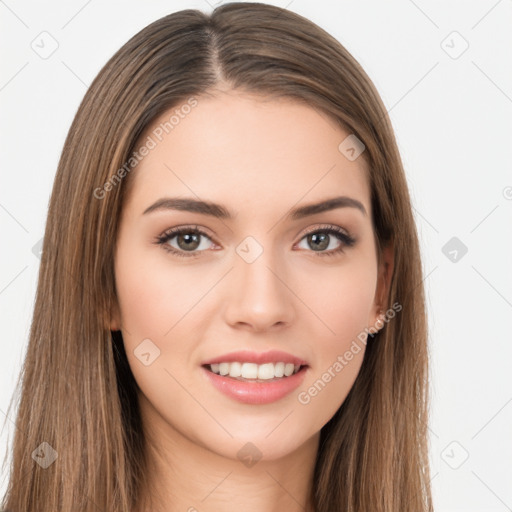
(385, 273)
(115, 318)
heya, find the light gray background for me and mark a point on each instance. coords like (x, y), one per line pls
(452, 113)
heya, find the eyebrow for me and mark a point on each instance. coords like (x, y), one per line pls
(221, 212)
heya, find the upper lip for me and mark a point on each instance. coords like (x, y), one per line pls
(246, 356)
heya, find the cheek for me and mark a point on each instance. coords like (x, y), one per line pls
(343, 304)
(341, 299)
(154, 298)
(154, 294)
(338, 356)
(341, 353)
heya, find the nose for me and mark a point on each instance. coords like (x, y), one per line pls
(259, 297)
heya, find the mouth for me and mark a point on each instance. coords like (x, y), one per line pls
(255, 378)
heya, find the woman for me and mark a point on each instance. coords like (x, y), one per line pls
(230, 310)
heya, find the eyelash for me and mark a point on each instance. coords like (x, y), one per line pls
(346, 239)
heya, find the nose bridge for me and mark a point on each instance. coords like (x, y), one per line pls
(256, 267)
(259, 296)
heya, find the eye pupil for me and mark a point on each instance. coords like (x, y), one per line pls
(319, 237)
(190, 238)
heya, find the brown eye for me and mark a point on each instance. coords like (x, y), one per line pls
(188, 241)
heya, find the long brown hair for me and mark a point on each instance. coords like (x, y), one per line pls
(78, 394)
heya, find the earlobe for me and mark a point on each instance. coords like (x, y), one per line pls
(380, 320)
(386, 267)
(115, 321)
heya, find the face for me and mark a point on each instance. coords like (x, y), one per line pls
(258, 274)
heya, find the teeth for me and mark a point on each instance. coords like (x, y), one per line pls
(288, 369)
(235, 370)
(255, 371)
(279, 369)
(249, 370)
(266, 371)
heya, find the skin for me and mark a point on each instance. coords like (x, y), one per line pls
(259, 158)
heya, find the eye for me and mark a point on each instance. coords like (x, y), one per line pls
(188, 240)
(321, 238)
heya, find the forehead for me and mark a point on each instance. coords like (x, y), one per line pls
(248, 152)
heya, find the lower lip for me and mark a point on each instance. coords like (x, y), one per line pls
(256, 392)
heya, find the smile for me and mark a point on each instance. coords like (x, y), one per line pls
(265, 383)
(255, 372)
